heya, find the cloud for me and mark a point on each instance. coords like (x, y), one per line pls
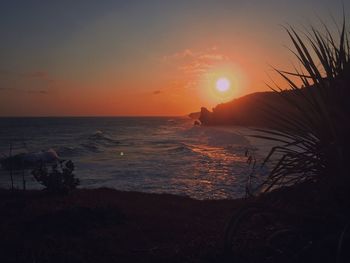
(35, 82)
(39, 75)
(5, 89)
(6, 75)
(29, 91)
(194, 63)
(195, 68)
(42, 92)
(187, 53)
(214, 57)
(197, 62)
(34, 75)
(3, 72)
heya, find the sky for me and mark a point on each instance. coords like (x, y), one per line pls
(140, 58)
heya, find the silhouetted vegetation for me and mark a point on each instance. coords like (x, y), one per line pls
(300, 223)
(60, 178)
(288, 224)
(314, 139)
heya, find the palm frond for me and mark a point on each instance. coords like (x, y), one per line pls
(312, 139)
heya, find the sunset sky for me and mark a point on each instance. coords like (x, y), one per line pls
(78, 58)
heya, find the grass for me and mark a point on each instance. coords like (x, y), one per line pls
(313, 138)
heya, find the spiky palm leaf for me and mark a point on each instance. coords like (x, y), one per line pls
(314, 135)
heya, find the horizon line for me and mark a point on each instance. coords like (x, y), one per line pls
(93, 116)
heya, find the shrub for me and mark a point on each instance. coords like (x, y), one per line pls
(60, 178)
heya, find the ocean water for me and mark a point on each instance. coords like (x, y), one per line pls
(148, 154)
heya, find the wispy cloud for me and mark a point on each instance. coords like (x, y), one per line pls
(36, 82)
(187, 53)
(194, 63)
(39, 75)
(20, 90)
(5, 89)
(42, 92)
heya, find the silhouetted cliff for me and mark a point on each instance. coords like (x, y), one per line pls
(255, 109)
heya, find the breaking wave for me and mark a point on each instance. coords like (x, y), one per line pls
(158, 155)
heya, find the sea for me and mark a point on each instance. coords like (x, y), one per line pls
(146, 154)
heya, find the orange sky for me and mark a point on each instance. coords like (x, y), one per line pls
(172, 84)
(154, 58)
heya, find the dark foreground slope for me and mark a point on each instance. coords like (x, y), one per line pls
(105, 225)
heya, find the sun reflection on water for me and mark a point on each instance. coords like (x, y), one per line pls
(213, 172)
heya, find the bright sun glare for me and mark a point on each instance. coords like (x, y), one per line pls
(223, 84)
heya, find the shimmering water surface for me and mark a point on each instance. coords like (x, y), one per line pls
(148, 154)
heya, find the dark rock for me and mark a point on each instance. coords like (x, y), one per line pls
(206, 117)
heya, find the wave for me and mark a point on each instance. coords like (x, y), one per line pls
(181, 149)
(91, 147)
(67, 151)
(101, 138)
(29, 160)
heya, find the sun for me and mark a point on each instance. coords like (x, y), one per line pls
(223, 85)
